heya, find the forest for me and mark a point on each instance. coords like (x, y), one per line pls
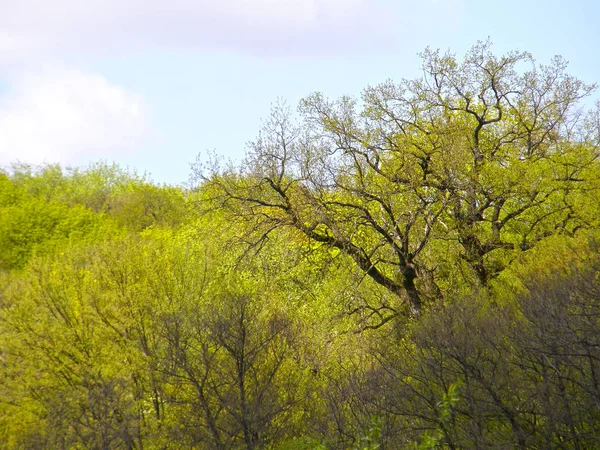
(414, 268)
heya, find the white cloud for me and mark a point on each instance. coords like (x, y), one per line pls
(60, 114)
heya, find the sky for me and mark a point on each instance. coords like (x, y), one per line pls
(152, 84)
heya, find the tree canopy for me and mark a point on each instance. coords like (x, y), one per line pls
(458, 170)
(417, 268)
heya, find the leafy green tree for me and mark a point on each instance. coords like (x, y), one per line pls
(63, 378)
(36, 226)
(461, 169)
(141, 205)
(234, 367)
(42, 208)
(525, 369)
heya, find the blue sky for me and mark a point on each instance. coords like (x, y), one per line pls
(150, 84)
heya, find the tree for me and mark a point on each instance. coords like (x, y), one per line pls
(234, 366)
(469, 165)
(525, 368)
(64, 375)
(36, 226)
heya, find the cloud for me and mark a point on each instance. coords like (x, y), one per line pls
(35, 28)
(60, 114)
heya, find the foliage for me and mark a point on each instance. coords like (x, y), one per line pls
(419, 269)
(464, 168)
(41, 209)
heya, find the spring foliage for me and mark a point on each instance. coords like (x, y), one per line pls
(415, 269)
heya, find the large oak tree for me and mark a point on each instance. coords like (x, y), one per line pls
(469, 164)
